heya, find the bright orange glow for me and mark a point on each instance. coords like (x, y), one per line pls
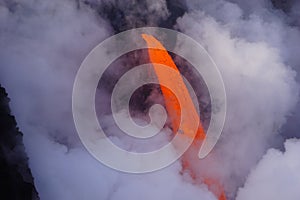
(159, 55)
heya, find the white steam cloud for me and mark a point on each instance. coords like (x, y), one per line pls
(255, 47)
(260, 84)
(276, 176)
(42, 46)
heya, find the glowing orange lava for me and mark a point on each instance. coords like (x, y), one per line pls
(159, 55)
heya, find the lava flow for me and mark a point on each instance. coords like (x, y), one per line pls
(159, 55)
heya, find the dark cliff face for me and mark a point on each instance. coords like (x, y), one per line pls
(16, 181)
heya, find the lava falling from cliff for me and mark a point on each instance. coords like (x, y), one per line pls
(255, 44)
(161, 56)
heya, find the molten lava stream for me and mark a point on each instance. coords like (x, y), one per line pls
(159, 55)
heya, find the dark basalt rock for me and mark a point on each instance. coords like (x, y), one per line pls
(16, 181)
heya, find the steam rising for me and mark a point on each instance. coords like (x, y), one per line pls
(255, 47)
(277, 171)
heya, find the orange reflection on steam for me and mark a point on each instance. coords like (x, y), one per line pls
(159, 55)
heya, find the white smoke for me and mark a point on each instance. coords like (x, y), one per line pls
(42, 46)
(62, 173)
(255, 55)
(276, 176)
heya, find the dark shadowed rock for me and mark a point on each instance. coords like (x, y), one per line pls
(16, 181)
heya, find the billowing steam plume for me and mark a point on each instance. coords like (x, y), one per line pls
(255, 44)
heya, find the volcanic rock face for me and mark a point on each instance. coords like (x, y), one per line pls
(16, 181)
